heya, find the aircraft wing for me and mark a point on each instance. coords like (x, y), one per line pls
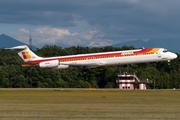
(80, 64)
(84, 64)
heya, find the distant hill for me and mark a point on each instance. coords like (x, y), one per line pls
(7, 42)
(171, 45)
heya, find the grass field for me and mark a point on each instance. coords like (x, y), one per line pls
(83, 104)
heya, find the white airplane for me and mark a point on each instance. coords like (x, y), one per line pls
(94, 59)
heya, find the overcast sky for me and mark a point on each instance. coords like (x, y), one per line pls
(89, 22)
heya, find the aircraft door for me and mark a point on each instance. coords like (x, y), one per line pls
(164, 54)
(159, 53)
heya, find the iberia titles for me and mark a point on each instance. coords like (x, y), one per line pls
(127, 53)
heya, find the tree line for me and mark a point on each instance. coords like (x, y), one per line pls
(13, 75)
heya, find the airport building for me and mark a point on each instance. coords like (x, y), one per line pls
(127, 81)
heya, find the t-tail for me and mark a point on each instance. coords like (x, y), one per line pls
(25, 53)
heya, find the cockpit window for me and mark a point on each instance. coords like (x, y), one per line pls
(165, 50)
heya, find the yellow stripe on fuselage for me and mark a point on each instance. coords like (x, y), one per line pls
(154, 50)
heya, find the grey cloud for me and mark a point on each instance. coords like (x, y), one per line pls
(117, 19)
(34, 12)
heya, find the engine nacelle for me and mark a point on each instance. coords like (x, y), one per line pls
(49, 64)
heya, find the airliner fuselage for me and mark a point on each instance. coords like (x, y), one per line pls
(95, 59)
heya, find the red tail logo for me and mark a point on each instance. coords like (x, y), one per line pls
(26, 55)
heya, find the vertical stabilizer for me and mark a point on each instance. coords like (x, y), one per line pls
(25, 53)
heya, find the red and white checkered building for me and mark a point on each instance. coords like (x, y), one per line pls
(126, 81)
(142, 85)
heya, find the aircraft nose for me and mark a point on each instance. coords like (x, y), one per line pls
(173, 56)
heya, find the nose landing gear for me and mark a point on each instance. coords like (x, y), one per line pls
(169, 62)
